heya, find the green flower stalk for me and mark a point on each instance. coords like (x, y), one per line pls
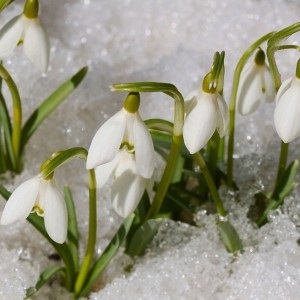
(233, 100)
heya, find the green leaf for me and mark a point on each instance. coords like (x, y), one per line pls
(229, 236)
(164, 139)
(45, 276)
(107, 255)
(286, 183)
(7, 132)
(142, 237)
(4, 192)
(284, 187)
(50, 104)
(73, 235)
(160, 125)
(4, 3)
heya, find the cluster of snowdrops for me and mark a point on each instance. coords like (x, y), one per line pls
(122, 152)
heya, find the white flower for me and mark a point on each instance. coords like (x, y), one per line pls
(128, 185)
(255, 85)
(40, 196)
(123, 149)
(287, 111)
(31, 33)
(124, 130)
(205, 113)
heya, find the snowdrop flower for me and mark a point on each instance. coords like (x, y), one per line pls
(26, 29)
(256, 84)
(41, 196)
(123, 147)
(128, 185)
(287, 111)
(205, 112)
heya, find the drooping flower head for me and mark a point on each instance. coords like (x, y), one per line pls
(205, 112)
(41, 196)
(123, 145)
(255, 85)
(287, 111)
(26, 29)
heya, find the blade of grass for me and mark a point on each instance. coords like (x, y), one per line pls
(73, 234)
(50, 104)
(106, 257)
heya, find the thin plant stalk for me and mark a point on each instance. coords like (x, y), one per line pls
(17, 115)
(210, 183)
(89, 254)
(232, 105)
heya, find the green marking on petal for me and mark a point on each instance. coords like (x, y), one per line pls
(38, 210)
(129, 148)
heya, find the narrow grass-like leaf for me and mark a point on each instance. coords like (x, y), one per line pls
(7, 133)
(73, 235)
(107, 255)
(45, 276)
(285, 186)
(142, 237)
(229, 237)
(4, 3)
(160, 125)
(50, 104)
(286, 183)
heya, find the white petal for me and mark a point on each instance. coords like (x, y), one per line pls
(287, 112)
(107, 141)
(249, 90)
(127, 189)
(21, 201)
(104, 172)
(283, 88)
(10, 35)
(144, 149)
(222, 116)
(200, 123)
(270, 93)
(36, 45)
(55, 216)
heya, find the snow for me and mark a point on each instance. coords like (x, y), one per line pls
(168, 41)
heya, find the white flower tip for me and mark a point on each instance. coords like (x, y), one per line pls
(55, 216)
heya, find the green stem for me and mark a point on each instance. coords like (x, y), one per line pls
(166, 177)
(284, 151)
(232, 105)
(213, 153)
(211, 184)
(17, 115)
(90, 250)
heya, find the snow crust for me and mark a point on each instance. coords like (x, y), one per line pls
(167, 41)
